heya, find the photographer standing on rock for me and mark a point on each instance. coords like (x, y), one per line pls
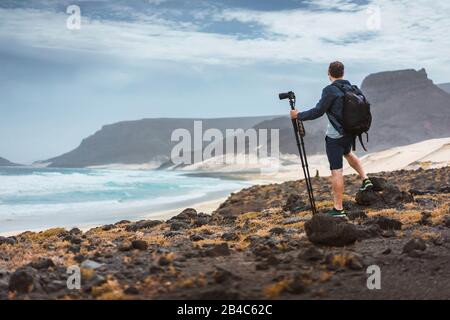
(342, 103)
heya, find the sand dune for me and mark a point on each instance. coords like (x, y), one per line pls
(427, 154)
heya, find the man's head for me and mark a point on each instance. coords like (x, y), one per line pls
(336, 71)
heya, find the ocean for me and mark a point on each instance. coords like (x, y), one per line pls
(40, 198)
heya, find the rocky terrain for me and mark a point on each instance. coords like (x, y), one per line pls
(261, 243)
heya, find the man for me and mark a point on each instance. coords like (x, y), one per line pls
(338, 143)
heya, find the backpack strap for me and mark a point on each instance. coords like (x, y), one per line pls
(360, 141)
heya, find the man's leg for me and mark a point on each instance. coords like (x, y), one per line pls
(354, 162)
(335, 152)
(337, 185)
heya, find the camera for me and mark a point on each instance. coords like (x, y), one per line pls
(287, 95)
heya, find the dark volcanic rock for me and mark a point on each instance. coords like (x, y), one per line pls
(357, 214)
(394, 196)
(8, 240)
(368, 231)
(277, 231)
(383, 193)
(385, 223)
(447, 221)
(414, 244)
(22, 280)
(186, 214)
(143, 224)
(72, 239)
(379, 184)
(75, 248)
(368, 198)
(230, 236)
(425, 219)
(196, 237)
(42, 263)
(163, 261)
(327, 230)
(176, 226)
(131, 290)
(76, 231)
(294, 203)
(108, 227)
(139, 245)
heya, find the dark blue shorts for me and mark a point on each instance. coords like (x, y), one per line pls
(336, 149)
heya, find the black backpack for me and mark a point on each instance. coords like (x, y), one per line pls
(356, 116)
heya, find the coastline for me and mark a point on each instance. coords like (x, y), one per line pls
(207, 207)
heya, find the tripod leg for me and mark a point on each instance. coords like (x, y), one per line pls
(301, 133)
(301, 150)
(308, 183)
(313, 201)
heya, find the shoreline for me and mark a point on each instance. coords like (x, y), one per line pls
(207, 207)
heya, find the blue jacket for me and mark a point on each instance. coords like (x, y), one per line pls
(331, 104)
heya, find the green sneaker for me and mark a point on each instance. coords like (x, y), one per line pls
(366, 184)
(337, 213)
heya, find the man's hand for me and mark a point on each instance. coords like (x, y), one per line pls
(294, 114)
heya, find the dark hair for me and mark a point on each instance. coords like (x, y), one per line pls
(336, 69)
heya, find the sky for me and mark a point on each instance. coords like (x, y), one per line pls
(192, 58)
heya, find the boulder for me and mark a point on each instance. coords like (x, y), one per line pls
(139, 245)
(196, 237)
(230, 236)
(186, 214)
(369, 198)
(414, 244)
(8, 240)
(23, 280)
(326, 230)
(108, 227)
(385, 223)
(42, 263)
(383, 193)
(143, 224)
(379, 184)
(356, 214)
(178, 225)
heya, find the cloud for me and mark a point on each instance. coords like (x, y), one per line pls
(323, 30)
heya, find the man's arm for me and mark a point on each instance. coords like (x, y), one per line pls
(322, 106)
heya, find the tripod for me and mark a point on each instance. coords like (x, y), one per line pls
(299, 131)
